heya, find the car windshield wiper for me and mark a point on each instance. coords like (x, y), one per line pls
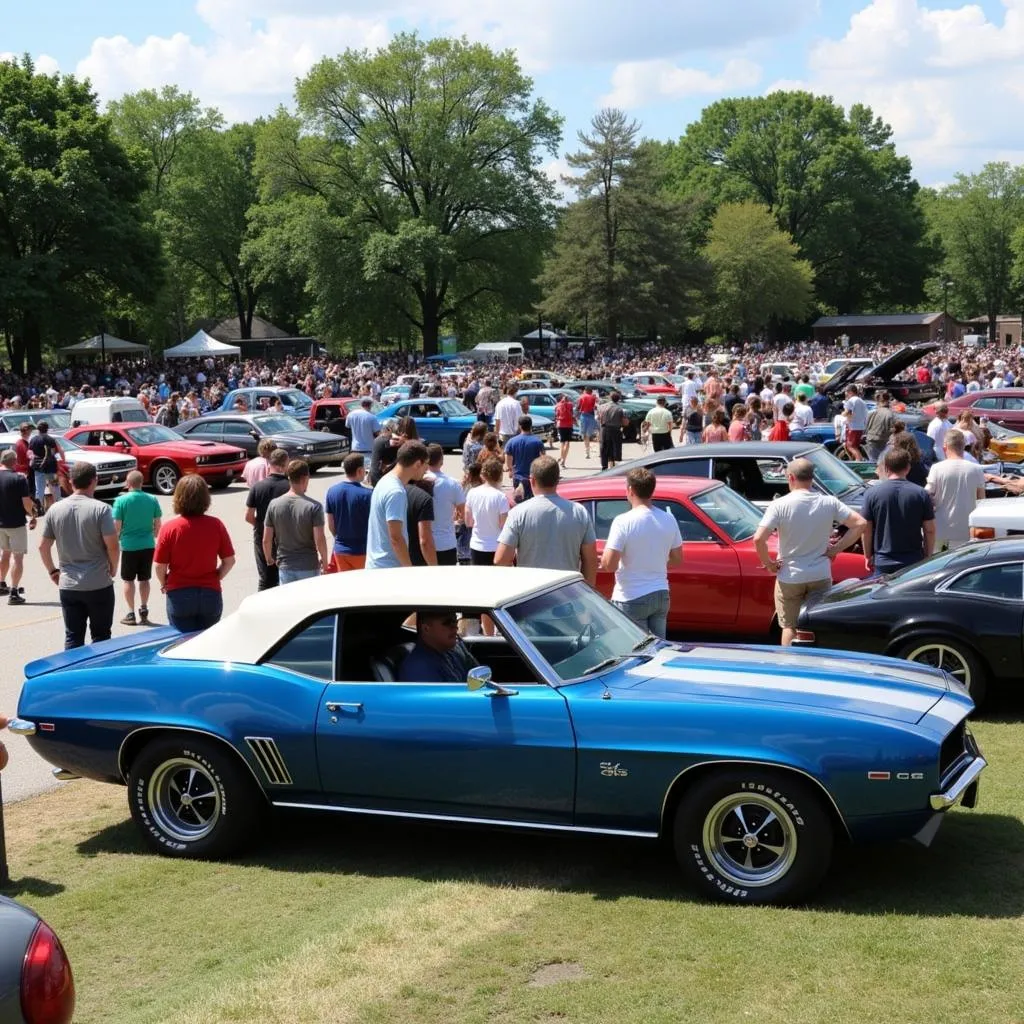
(641, 644)
(607, 663)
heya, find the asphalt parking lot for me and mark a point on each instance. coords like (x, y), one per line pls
(36, 629)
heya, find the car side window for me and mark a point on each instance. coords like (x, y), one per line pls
(310, 651)
(1014, 404)
(690, 527)
(986, 403)
(1002, 581)
(604, 512)
(683, 467)
(236, 429)
(206, 428)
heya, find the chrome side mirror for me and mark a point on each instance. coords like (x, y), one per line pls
(479, 678)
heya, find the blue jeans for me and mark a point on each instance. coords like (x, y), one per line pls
(693, 437)
(191, 609)
(649, 612)
(291, 575)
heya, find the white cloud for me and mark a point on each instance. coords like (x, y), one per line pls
(556, 170)
(948, 80)
(639, 83)
(253, 50)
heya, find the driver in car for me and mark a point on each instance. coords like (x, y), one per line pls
(439, 656)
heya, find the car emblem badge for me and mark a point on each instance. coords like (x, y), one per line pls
(613, 771)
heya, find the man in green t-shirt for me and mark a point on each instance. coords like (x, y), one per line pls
(137, 520)
(804, 387)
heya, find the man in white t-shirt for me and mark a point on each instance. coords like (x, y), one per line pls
(858, 421)
(938, 428)
(955, 485)
(803, 414)
(506, 415)
(803, 520)
(642, 544)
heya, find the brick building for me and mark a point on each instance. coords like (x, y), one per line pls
(888, 328)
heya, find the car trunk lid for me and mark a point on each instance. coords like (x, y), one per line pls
(96, 652)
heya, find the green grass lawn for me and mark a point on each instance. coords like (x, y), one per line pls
(341, 921)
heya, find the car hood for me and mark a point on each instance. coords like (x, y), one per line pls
(305, 436)
(838, 682)
(887, 369)
(98, 455)
(189, 449)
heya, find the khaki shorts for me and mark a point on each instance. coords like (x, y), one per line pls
(789, 597)
(14, 539)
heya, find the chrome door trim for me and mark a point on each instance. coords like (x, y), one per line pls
(460, 819)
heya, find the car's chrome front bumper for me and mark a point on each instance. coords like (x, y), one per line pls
(964, 789)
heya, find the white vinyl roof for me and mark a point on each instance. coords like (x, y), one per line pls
(266, 617)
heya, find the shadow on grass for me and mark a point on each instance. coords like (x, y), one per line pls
(30, 887)
(968, 870)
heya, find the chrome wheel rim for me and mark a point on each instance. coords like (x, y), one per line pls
(750, 839)
(184, 800)
(947, 658)
(165, 478)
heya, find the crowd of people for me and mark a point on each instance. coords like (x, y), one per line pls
(396, 506)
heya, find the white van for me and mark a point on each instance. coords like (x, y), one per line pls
(512, 351)
(974, 340)
(108, 410)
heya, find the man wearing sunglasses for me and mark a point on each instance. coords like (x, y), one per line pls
(439, 656)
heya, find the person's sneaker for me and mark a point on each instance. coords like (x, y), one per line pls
(143, 616)
(15, 598)
(4, 589)
(129, 620)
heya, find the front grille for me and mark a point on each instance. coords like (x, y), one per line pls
(222, 457)
(265, 751)
(328, 447)
(116, 467)
(953, 748)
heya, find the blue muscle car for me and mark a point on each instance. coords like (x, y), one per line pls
(753, 761)
(446, 421)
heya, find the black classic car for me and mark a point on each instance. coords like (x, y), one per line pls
(245, 430)
(961, 611)
(884, 375)
(755, 469)
(36, 984)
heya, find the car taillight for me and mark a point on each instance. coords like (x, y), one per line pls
(803, 636)
(47, 987)
(983, 533)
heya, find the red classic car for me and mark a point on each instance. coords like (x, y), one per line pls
(326, 411)
(163, 455)
(721, 586)
(652, 382)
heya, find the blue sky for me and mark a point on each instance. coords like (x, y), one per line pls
(949, 76)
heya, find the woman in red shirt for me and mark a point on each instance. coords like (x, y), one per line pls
(563, 421)
(738, 429)
(780, 431)
(716, 430)
(193, 554)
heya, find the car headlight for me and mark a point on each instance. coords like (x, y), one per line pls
(202, 458)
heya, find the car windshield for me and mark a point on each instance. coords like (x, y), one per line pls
(454, 408)
(937, 563)
(729, 511)
(576, 630)
(56, 418)
(836, 478)
(278, 424)
(1000, 433)
(296, 398)
(153, 434)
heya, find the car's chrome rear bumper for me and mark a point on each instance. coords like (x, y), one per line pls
(963, 789)
(20, 727)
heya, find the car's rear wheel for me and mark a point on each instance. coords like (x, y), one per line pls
(164, 476)
(192, 798)
(753, 836)
(951, 656)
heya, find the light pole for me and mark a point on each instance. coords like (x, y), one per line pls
(946, 285)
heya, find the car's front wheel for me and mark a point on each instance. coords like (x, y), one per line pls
(164, 477)
(753, 836)
(192, 798)
(951, 656)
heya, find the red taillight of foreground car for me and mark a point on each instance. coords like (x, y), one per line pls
(803, 636)
(47, 986)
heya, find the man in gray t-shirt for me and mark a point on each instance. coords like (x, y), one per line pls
(803, 520)
(83, 531)
(548, 532)
(295, 522)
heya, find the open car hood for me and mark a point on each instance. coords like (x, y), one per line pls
(888, 369)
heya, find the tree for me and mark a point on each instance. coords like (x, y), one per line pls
(758, 274)
(834, 183)
(976, 218)
(623, 249)
(426, 156)
(204, 215)
(161, 125)
(72, 225)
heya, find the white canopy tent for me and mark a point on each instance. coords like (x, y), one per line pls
(201, 344)
(546, 334)
(102, 343)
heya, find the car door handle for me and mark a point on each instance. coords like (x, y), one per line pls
(335, 706)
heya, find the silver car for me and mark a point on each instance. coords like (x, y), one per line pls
(36, 984)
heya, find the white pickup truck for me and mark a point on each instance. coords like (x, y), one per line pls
(997, 517)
